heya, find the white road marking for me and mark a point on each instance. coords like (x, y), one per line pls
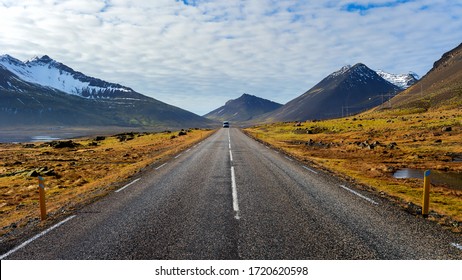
(161, 166)
(36, 237)
(187, 150)
(358, 194)
(231, 155)
(458, 246)
(127, 185)
(289, 158)
(234, 188)
(267, 147)
(309, 169)
(178, 155)
(230, 145)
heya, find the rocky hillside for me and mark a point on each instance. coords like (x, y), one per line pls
(440, 87)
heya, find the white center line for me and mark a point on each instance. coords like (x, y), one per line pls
(36, 237)
(127, 185)
(309, 169)
(231, 155)
(178, 155)
(234, 188)
(358, 194)
(161, 166)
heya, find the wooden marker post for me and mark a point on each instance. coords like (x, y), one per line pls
(43, 207)
(426, 194)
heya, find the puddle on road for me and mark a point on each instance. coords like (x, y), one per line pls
(452, 180)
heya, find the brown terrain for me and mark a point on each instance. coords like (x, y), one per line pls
(76, 171)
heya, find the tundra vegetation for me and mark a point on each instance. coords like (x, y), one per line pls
(368, 148)
(77, 171)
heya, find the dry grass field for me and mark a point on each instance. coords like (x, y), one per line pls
(369, 148)
(79, 173)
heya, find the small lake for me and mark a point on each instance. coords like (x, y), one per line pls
(43, 138)
(451, 179)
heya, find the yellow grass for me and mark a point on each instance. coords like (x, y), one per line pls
(80, 174)
(335, 145)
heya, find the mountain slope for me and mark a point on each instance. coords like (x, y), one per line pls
(440, 87)
(88, 102)
(243, 108)
(350, 90)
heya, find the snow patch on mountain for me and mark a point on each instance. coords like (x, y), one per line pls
(50, 73)
(402, 81)
(342, 71)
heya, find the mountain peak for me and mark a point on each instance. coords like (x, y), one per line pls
(44, 59)
(342, 70)
(6, 58)
(244, 108)
(350, 90)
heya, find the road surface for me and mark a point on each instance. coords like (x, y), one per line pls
(231, 197)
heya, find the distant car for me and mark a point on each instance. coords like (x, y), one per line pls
(226, 124)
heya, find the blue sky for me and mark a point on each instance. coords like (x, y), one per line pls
(197, 54)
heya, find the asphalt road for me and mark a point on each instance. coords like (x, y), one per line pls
(230, 197)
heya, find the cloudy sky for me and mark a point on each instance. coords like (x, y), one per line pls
(197, 54)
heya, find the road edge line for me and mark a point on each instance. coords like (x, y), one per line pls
(127, 185)
(360, 195)
(36, 237)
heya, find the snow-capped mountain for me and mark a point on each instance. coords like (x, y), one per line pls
(402, 81)
(50, 73)
(43, 92)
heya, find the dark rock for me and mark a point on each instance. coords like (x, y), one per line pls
(63, 144)
(28, 146)
(446, 129)
(93, 144)
(182, 133)
(100, 138)
(392, 145)
(438, 141)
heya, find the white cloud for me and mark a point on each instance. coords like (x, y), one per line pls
(198, 56)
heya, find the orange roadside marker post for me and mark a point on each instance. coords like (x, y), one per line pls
(426, 194)
(43, 208)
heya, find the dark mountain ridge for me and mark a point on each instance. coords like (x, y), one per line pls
(244, 108)
(350, 90)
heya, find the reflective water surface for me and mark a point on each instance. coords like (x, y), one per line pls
(452, 180)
